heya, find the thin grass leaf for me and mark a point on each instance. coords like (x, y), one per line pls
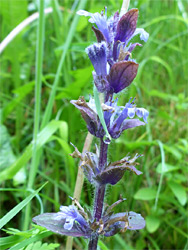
(100, 113)
(69, 38)
(43, 138)
(160, 61)
(31, 240)
(161, 177)
(18, 208)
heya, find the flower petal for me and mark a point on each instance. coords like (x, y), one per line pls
(132, 123)
(136, 221)
(98, 56)
(143, 34)
(131, 112)
(141, 112)
(99, 20)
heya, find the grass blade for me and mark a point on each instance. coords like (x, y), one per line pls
(43, 138)
(18, 208)
(70, 35)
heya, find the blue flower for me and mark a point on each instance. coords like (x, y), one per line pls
(114, 70)
(117, 118)
(117, 29)
(98, 56)
(100, 20)
(68, 221)
(71, 214)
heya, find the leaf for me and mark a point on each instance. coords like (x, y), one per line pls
(152, 223)
(6, 154)
(102, 245)
(43, 138)
(18, 208)
(7, 242)
(162, 95)
(39, 246)
(26, 242)
(145, 194)
(74, 89)
(179, 192)
(167, 168)
(20, 92)
(174, 151)
(13, 12)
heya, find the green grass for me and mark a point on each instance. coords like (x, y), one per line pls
(160, 194)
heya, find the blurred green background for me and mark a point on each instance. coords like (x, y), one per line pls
(161, 86)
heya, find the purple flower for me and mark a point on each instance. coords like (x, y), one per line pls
(116, 31)
(98, 56)
(71, 214)
(100, 20)
(117, 118)
(116, 28)
(121, 74)
(68, 222)
(114, 70)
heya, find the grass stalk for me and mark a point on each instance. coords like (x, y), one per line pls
(70, 36)
(38, 83)
(161, 177)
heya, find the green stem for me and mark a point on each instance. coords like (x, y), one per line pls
(38, 83)
(161, 177)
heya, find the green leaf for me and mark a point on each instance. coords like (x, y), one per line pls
(179, 192)
(20, 92)
(74, 89)
(162, 95)
(39, 246)
(6, 154)
(64, 131)
(35, 238)
(145, 194)
(18, 208)
(167, 168)
(102, 245)
(174, 151)
(7, 242)
(152, 223)
(43, 138)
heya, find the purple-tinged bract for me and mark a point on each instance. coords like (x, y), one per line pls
(121, 75)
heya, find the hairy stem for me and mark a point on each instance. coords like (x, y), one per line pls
(93, 243)
(99, 195)
(79, 183)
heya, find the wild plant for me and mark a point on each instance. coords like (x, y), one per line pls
(114, 71)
